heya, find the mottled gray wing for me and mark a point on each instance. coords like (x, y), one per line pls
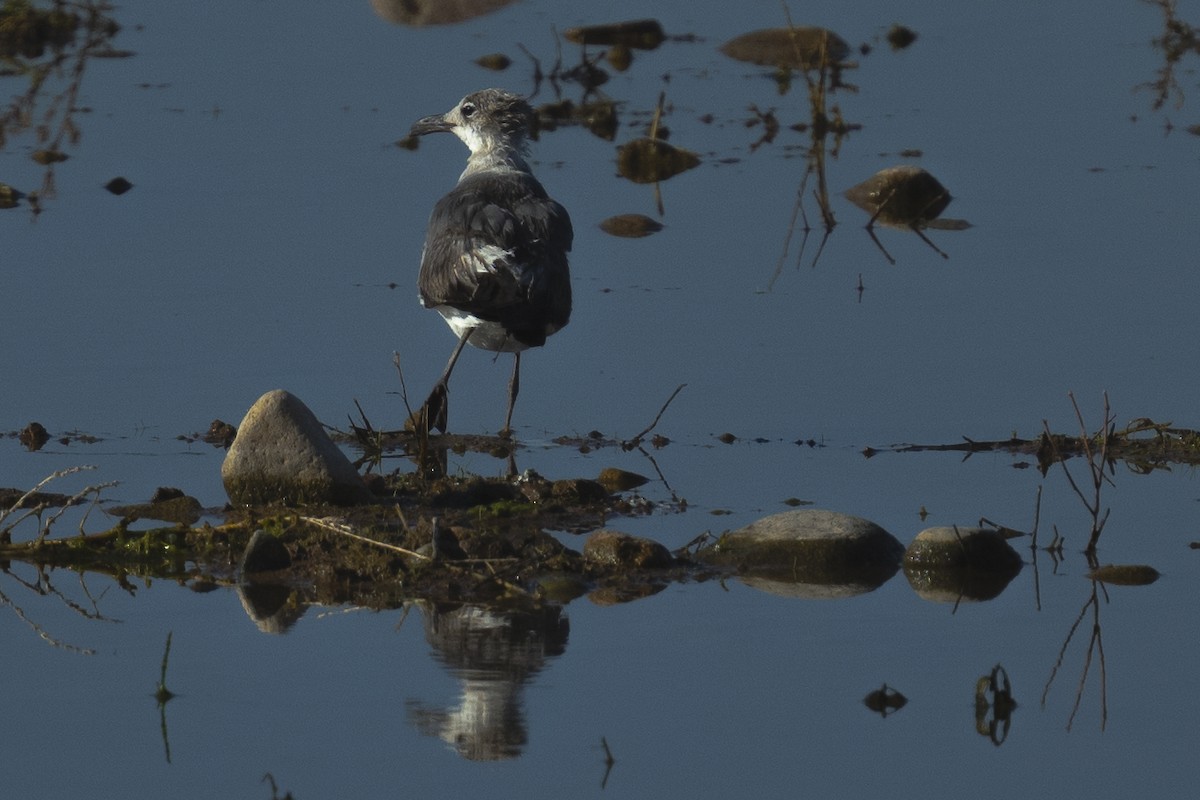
(497, 248)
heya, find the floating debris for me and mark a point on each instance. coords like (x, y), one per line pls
(497, 62)
(630, 226)
(642, 34)
(598, 116)
(900, 37)
(434, 12)
(1125, 574)
(885, 700)
(118, 186)
(27, 31)
(798, 47)
(47, 157)
(619, 57)
(33, 436)
(649, 160)
(9, 197)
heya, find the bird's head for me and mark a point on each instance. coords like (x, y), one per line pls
(491, 121)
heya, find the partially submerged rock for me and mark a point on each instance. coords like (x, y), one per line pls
(643, 34)
(798, 47)
(33, 436)
(167, 505)
(904, 196)
(953, 563)
(812, 546)
(615, 549)
(419, 13)
(648, 160)
(630, 226)
(283, 455)
(1125, 574)
(956, 546)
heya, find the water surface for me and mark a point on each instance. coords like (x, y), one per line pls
(271, 241)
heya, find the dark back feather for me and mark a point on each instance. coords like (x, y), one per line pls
(496, 247)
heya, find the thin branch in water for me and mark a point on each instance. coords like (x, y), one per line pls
(77, 497)
(637, 439)
(403, 387)
(62, 473)
(162, 694)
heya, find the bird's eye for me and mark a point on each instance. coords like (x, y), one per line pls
(468, 109)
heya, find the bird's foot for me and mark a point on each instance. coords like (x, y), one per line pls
(432, 413)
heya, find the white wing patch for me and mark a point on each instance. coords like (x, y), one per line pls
(483, 259)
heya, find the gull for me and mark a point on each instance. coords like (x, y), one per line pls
(494, 264)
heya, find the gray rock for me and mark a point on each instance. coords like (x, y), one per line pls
(811, 546)
(956, 546)
(283, 455)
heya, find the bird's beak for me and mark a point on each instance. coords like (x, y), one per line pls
(435, 124)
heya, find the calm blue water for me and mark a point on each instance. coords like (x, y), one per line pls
(271, 213)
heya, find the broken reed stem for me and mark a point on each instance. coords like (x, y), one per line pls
(658, 110)
(329, 526)
(162, 694)
(1096, 461)
(403, 386)
(1037, 517)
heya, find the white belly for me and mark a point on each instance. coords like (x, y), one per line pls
(486, 336)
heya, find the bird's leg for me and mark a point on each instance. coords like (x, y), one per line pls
(433, 413)
(514, 386)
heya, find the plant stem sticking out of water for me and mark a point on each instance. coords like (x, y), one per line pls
(162, 694)
(1095, 450)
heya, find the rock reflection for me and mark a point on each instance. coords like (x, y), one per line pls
(953, 564)
(493, 654)
(434, 12)
(994, 705)
(885, 701)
